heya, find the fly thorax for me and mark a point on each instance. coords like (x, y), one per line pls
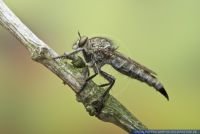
(99, 56)
(89, 48)
(99, 43)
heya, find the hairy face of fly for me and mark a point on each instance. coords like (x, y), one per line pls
(80, 43)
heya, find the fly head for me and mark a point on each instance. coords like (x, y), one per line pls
(80, 43)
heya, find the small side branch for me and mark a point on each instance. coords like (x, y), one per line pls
(72, 74)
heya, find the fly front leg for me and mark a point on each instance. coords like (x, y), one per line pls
(68, 55)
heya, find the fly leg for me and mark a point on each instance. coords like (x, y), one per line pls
(111, 79)
(68, 55)
(95, 69)
(89, 78)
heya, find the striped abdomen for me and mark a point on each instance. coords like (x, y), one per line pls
(134, 70)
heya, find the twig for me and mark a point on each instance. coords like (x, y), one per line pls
(72, 74)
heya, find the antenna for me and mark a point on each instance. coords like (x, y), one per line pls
(79, 34)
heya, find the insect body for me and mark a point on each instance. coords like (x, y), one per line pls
(98, 51)
(134, 70)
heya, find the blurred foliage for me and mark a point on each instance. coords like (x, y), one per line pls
(161, 34)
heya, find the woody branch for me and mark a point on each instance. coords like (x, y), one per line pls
(71, 73)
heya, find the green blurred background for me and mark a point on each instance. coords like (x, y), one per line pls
(164, 35)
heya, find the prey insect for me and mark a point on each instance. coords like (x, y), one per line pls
(99, 51)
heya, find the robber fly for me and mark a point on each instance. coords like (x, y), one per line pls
(99, 51)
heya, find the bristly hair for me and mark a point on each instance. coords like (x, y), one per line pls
(79, 34)
(112, 43)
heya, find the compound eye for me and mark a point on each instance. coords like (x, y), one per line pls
(82, 41)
